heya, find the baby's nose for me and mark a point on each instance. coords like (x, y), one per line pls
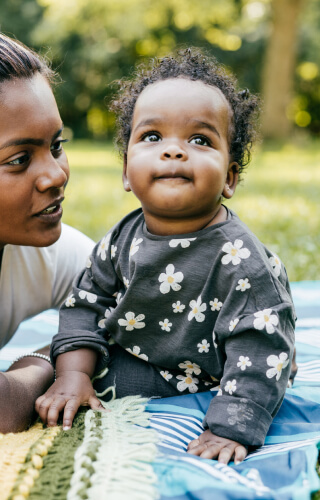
(174, 152)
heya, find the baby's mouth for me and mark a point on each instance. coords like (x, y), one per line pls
(173, 176)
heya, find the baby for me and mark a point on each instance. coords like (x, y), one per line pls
(180, 297)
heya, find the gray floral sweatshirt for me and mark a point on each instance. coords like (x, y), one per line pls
(207, 308)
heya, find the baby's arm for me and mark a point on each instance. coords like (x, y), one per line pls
(71, 389)
(208, 445)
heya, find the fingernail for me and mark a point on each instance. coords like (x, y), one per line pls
(66, 427)
(237, 462)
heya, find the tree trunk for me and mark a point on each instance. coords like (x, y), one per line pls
(278, 74)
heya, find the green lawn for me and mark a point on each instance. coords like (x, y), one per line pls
(278, 198)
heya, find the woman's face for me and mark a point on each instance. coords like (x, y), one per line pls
(33, 166)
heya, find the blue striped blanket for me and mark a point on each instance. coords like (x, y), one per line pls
(284, 468)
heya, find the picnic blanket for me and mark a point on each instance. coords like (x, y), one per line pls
(138, 449)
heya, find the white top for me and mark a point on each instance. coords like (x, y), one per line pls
(35, 279)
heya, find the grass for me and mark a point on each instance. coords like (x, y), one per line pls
(278, 198)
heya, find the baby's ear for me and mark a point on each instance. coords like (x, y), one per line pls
(125, 181)
(231, 180)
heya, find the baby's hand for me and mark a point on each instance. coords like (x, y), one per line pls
(209, 445)
(71, 390)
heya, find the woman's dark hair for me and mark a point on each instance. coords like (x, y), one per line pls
(192, 64)
(18, 61)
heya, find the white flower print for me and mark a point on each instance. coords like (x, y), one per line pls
(264, 319)
(178, 307)
(126, 282)
(197, 308)
(233, 324)
(184, 242)
(134, 246)
(214, 339)
(88, 263)
(91, 297)
(278, 364)
(243, 285)
(243, 362)
(70, 301)
(231, 386)
(187, 382)
(215, 304)
(104, 244)
(276, 264)
(165, 325)
(118, 298)
(190, 367)
(203, 346)
(113, 251)
(107, 313)
(234, 252)
(136, 352)
(166, 375)
(170, 279)
(132, 322)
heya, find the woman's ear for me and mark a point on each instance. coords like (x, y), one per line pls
(231, 180)
(125, 181)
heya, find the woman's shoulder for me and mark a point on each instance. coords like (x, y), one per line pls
(73, 239)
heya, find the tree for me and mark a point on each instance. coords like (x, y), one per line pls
(92, 44)
(278, 73)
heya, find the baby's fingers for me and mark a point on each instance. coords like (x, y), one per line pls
(226, 454)
(204, 450)
(240, 454)
(95, 404)
(49, 409)
(69, 413)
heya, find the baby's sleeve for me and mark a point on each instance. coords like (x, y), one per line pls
(83, 314)
(255, 333)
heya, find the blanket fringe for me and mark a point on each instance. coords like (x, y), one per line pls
(115, 459)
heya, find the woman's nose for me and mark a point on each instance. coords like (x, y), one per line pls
(53, 174)
(174, 152)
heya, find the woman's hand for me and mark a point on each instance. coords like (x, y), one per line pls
(209, 445)
(20, 386)
(71, 390)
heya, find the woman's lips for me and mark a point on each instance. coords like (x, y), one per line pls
(51, 214)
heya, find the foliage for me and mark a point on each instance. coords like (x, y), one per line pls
(92, 44)
(278, 199)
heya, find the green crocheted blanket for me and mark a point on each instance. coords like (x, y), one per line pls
(104, 455)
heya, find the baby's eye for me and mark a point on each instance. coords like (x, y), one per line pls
(151, 137)
(200, 141)
(22, 160)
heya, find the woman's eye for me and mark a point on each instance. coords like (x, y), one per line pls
(151, 138)
(56, 147)
(22, 160)
(200, 141)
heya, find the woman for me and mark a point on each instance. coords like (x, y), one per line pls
(38, 255)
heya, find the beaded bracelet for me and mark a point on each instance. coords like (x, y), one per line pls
(34, 355)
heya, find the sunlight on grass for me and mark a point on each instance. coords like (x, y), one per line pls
(278, 199)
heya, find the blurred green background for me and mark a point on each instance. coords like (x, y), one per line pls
(273, 46)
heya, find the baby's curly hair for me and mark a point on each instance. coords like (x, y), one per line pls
(192, 64)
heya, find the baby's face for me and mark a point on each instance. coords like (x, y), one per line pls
(178, 162)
